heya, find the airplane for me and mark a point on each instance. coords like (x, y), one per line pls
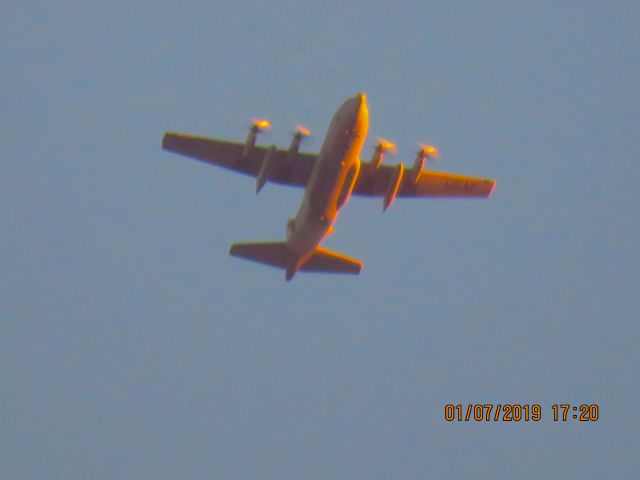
(329, 178)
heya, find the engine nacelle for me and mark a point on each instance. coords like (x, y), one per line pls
(256, 127)
(265, 168)
(417, 167)
(394, 185)
(291, 226)
(381, 148)
(294, 147)
(425, 152)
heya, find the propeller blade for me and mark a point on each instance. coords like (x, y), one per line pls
(429, 151)
(387, 146)
(302, 131)
(260, 123)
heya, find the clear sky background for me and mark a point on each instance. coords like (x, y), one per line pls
(133, 346)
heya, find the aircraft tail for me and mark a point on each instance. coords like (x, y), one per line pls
(277, 254)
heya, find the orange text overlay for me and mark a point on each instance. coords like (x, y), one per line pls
(516, 412)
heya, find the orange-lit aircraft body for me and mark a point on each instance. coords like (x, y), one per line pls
(329, 178)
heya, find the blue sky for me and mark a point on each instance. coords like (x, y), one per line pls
(133, 346)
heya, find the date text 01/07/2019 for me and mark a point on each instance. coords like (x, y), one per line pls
(515, 412)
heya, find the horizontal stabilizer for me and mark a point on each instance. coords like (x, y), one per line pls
(277, 254)
(324, 260)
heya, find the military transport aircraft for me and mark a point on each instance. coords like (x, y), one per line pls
(329, 178)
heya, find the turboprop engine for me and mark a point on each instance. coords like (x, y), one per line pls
(267, 164)
(380, 149)
(426, 152)
(257, 126)
(265, 168)
(291, 226)
(299, 132)
(395, 180)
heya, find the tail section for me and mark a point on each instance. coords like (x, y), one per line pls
(277, 254)
(324, 260)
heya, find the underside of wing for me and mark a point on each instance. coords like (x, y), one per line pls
(376, 182)
(284, 169)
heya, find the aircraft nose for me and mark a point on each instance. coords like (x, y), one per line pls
(359, 102)
(362, 114)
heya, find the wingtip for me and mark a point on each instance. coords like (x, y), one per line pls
(171, 139)
(492, 187)
(165, 140)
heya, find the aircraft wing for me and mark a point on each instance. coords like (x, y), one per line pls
(375, 182)
(229, 155)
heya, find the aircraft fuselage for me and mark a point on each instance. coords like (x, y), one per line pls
(332, 180)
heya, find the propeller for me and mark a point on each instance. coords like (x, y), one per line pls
(299, 132)
(257, 126)
(379, 150)
(260, 124)
(428, 151)
(302, 131)
(425, 152)
(386, 146)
